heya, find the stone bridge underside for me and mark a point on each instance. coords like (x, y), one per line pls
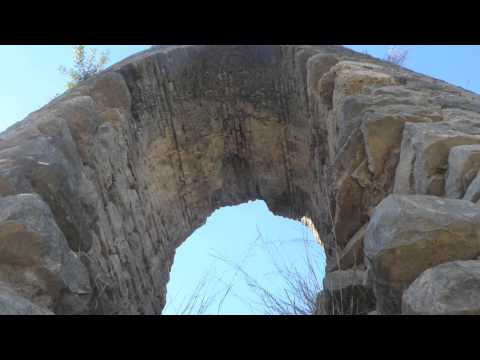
(99, 187)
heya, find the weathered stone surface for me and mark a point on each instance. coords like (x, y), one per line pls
(409, 234)
(352, 255)
(13, 304)
(130, 162)
(337, 280)
(383, 129)
(35, 258)
(473, 191)
(451, 288)
(463, 165)
(346, 293)
(424, 154)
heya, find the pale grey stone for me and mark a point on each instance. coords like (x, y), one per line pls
(463, 165)
(409, 234)
(13, 304)
(346, 293)
(452, 288)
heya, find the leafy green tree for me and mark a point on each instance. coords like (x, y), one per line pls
(85, 65)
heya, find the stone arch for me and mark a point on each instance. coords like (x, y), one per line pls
(235, 135)
(129, 163)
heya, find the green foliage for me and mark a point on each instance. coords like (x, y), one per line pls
(85, 65)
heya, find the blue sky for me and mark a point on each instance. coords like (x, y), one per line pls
(29, 78)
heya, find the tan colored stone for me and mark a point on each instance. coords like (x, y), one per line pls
(131, 161)
(34, 256)
(383, 129)
(424, 155)
(352, 255)
(409, 234)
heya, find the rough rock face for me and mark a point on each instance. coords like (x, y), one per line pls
(463, 165)
(448, 289)
(13, 304)
(409, 234)
(346, 293)
(123, 168)
(35, 259)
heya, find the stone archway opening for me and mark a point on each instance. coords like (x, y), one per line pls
(142, 154)
(115, 174)
(245, 260)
